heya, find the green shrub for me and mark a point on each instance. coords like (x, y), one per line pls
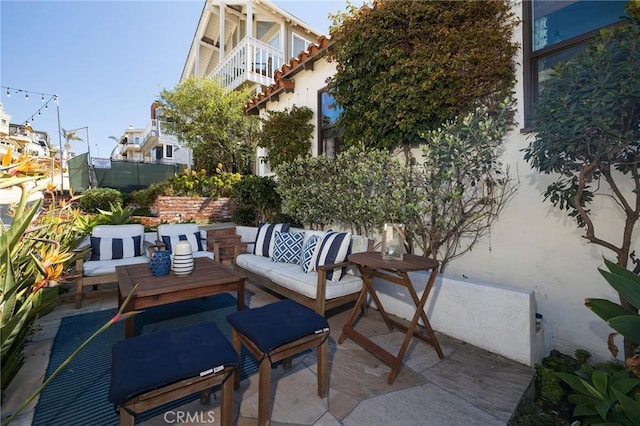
(256, 198)
(187, 184)
(145, 197)
(97, 199)
(244, 216)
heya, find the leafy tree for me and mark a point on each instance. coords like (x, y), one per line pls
(307, 190)
(459, 187)
(256, 198)
(587, 132)
(287, 134)
(404, 67)
(360, 188)
(211, 121)
(374, 188)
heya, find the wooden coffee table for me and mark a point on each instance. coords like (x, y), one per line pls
(208, 278)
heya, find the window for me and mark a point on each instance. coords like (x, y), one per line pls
(298, 44)
(136, 140)
(557, 31)
(328, 132)
(169, 149)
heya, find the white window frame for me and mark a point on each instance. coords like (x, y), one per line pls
(293, 39)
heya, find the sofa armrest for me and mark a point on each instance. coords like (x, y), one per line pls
(334, 266)
(321, 285)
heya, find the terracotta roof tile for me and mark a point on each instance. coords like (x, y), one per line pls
(281, 77)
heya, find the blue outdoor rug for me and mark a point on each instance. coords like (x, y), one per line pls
(78, 395)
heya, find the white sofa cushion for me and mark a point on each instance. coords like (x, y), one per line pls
(293, 278)
(94, 268)
(257, 264)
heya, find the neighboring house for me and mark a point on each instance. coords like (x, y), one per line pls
(160, 147)
(533, 249)
(152, 144)
(22, 138)
(129, 148)
(244, 41)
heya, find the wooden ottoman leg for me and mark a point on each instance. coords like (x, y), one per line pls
(235, 342)
(264, 391)
(323, 376)
(78, 298)
(126, 419)
(226, 404)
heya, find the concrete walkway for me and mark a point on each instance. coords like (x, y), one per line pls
(470, 386)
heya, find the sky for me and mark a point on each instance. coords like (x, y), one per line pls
(106, 60)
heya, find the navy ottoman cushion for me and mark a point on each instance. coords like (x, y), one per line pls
(274, 325)
(144, 363)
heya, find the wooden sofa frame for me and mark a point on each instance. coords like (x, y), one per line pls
(319, 304)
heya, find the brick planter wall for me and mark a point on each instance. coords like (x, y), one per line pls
(200, 209)
(175, 209)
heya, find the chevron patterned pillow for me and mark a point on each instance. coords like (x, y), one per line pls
(287, 247)
(307, 260)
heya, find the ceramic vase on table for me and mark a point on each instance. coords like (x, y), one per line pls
(160, 263)
(182, 263)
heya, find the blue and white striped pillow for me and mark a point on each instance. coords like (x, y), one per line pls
(334, 248)
(115, 248)
(287, 247)
(195, 239)
(264, 240)
(307, 260)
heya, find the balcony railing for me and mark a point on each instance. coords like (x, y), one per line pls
(251, 60)
(151, 133)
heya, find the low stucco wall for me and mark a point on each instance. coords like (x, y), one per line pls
(499, 319)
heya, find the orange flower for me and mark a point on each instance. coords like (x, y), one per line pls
(50, 255)
(26, 166)
(6, 159)
(51, 187)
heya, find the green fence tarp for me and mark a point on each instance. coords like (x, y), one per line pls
(78, 173)
(125, 176)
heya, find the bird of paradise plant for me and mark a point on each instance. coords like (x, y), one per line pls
(37, 253)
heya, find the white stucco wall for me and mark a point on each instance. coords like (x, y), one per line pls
(532, 250)
(307, 85)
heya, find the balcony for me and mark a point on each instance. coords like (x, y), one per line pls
(252, 61)
(150, 134)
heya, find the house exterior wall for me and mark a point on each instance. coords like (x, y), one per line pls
(533, 248)
(307, 84)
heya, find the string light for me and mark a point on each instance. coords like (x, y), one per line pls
(46, 98)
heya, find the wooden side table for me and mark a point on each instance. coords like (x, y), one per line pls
(372, 265)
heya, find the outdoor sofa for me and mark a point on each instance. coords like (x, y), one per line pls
(110, 246)
(309, 267)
